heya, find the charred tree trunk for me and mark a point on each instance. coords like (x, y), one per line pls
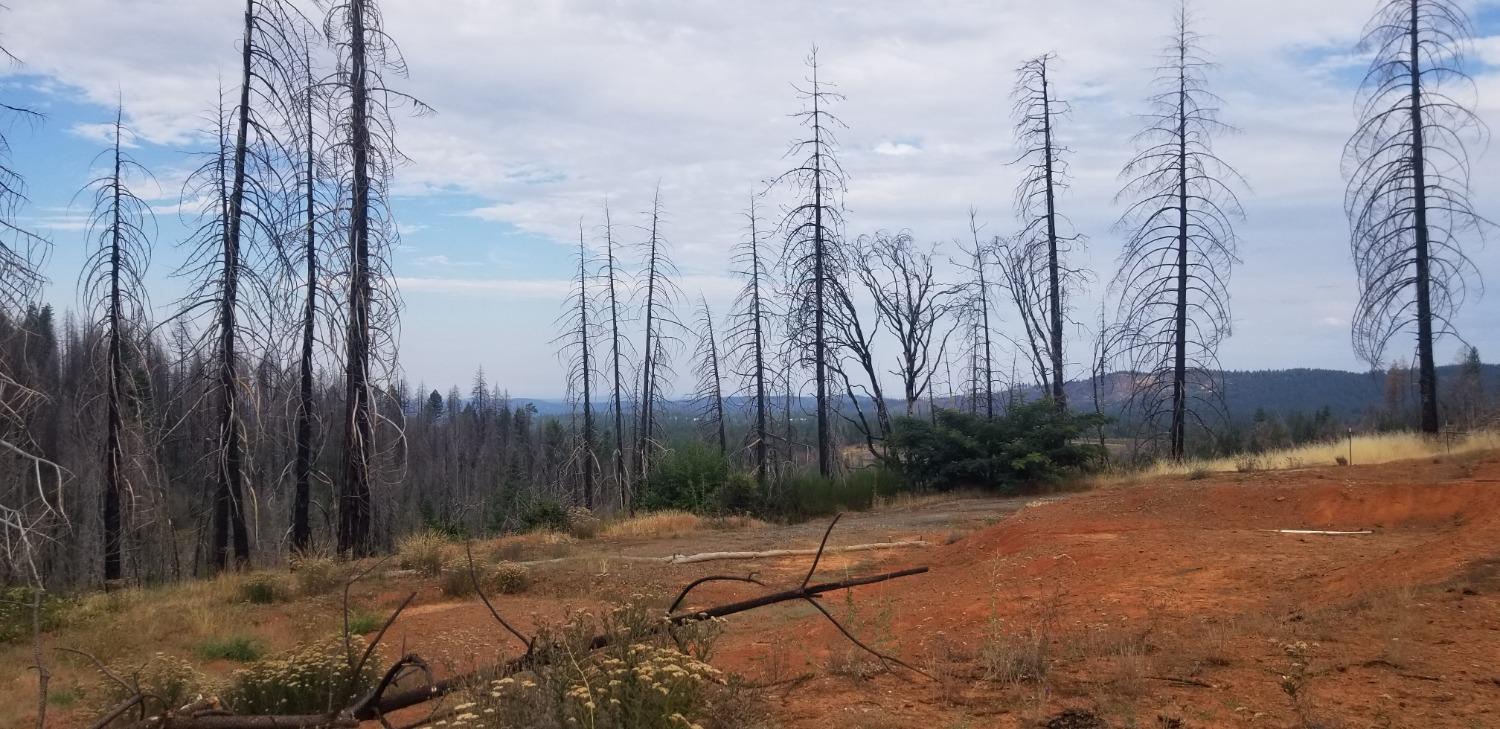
(622, 477)
(355, 507)
(114, 453)
(303, 467)
(1426, 365)
(587, 374)
(229, 514)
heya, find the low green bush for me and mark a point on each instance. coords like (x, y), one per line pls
(687, 477)
(15, 612)
(238, 648)
(543, 514)
(1032, 443)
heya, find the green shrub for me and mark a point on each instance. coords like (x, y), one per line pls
(239, 648)
(423, 552)
(685, 478)
(543, 514)
(261, 589)
(740, 494)
(809, 495)
(307, 679)
(15, 612)
(1032, 443)
(362, 622)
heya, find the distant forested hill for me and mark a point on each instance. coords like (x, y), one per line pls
(1348, 395)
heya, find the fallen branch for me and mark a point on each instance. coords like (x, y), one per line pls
(716, 556)
(1183, 681)
(1318, 531)
(376, 704)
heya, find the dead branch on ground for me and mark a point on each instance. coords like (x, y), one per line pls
(377, 703)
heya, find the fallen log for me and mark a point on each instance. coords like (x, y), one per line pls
(725, 556)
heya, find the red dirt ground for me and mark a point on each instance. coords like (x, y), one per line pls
(1156, 604)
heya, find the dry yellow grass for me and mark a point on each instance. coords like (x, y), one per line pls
(671, 524)
(1367, 449)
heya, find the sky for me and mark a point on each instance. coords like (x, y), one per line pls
(546, 109)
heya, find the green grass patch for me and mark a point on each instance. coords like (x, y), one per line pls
(237, 648)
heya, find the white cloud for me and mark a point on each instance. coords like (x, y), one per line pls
(545, 109)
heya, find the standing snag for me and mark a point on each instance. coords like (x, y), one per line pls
(810, 256)
(661, 293)
(576, 349)
(113, 289)
(912, 305)
(1408, 199)
(974, 311)
(710, 393)
(613, 285)
(1036, 263)
(366, 154)
(1173, 281)
(749, 337)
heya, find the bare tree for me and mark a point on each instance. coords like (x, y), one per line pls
(317, 218)
(366, 59)
(1037, 261)
(1174, 270)
(810, 256)
(749, 336)
(852, 345)
(113, 289)
(612, 284)
(975, 309)
(913, 305)
(245, 196)
(1408, 199)
(661, 294)
(576, 342)
(710, 391)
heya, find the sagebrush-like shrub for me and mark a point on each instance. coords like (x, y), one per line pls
(455, 581)
(510, 578)
(424, 552)
(310, 678)
(317, 575)
(638, 681)
(582, 524)
(169, 678)
(262, 589)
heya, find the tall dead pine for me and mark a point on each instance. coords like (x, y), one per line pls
(1173, 280)
(1409, 199)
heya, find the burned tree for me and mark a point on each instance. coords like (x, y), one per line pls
(710, 391)
(612, 283)
(975, 310)
(1408, 199)
(366, 153)
(316, 218)
(576, 342)
(913, 305)
(749, 335)
(810, 255)
(113, 289)
(852, 357)
(1038, 260)
(245, 193)
(1174, 270)
(661, 294)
